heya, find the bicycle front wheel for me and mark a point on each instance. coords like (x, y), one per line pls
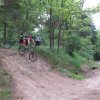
(32, 56)
(22, 50)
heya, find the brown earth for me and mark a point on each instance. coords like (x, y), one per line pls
(36, 80)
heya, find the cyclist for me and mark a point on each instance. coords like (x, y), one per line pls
(30, 40)
(38, 40)
(22, 39)
(26, 40)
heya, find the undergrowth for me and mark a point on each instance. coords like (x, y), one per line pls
(69, 65)
(5, 82)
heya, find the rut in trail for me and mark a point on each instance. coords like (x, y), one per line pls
(36, 81)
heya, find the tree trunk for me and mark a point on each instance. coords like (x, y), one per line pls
(5, 33)
(60, 26)
(5, 27)
(59, 36)
(51, 31)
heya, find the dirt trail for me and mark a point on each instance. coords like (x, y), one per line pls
(36, 81)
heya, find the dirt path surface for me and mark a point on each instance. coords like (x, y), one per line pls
(35, 81)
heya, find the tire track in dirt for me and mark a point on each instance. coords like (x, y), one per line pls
(36, 81)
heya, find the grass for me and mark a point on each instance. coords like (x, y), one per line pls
(72, 73)
(5, 82)
(60, 60)
(4, 85)
(5, 95)
(76, 76)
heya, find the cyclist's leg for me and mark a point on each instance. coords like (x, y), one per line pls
(28, 41)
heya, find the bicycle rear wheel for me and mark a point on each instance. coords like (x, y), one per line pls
(22, 50)
(32, 56)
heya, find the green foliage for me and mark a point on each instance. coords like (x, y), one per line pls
(61, 61)
(83, 45)
(5, 93)
(2, 72)
(72, 41)
(58, 59)
(5, 82)
(97, 49)
(78, 60)
(87, 50)
(72, 73)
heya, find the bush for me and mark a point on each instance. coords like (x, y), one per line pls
(5, 92)
(62, 61)
(97, 49)
(78, 60)
(58, 59)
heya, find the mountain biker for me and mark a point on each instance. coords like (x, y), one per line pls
(30, 40)
(26, 40)
(22, 39)
(38, 40)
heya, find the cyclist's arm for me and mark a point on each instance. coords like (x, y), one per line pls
(33, 41)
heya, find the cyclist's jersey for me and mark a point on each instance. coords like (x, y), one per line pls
(38, 38)
(30, 38)
(26, 40)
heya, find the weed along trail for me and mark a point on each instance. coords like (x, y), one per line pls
(36, 81)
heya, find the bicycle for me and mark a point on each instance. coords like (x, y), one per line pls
(32, 56)
(25, 49)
